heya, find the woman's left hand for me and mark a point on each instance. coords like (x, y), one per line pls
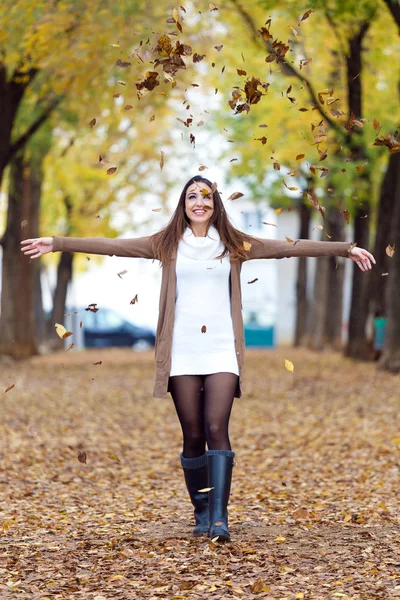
(362, 258)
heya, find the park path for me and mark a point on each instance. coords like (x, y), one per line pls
(314, 509)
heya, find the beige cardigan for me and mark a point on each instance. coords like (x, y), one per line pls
(142, 248)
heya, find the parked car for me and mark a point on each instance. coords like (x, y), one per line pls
(106, 327)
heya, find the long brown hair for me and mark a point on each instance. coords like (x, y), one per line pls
(166, 241)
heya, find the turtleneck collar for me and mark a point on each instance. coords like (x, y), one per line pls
(201, 248)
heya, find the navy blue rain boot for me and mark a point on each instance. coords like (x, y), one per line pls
(220, 464)
(196, 478)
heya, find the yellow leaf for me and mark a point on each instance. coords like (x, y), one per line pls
(280, 538)
(299, 595)
(278, 210)
(61, 331)
(205, 489)
(175, 15)
(113, 457)
(390, 250)
(288, 239)
(246, 246)
(289, 365)
(347, 518)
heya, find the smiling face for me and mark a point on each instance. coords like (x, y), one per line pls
(199, 203)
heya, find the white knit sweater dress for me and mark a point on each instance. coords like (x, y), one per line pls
(203, 338)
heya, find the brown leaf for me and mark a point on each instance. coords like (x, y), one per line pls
(390, 250)
(92, 308)
(161, 160)
(92, 123)
(100, 362)
(111, 170)
(300, 156)
(203, 329)
(235, 196)
(306, 15)
(124, 272)
(134, 300)
(253, 280)
(10, 387)
(82, 456)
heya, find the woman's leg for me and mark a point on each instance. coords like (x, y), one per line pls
(188, 397)
(219, 393)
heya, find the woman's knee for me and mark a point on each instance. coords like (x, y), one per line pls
(216, 434)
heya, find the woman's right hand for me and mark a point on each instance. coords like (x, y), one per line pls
(37, 247)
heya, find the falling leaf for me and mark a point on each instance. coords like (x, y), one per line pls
(92, 123)
(288, 239)
(203, 329)
(219, 48)
(390, 250)
(111, 170)
(212, 7)
(92, 308)
(235, 196)
(70, 347)
(156, 209)
(277, 166)
(82, 456)
(122, 273)
(376, 124)
(346, 215)
(134, 300)
(253, 280)
(113, 457)
(306, 14)
(161, 160)
(10, 387)
(202, 167)
(100, 362)
(241, 72)
(128, 107)
(123, 63)
(361, 167)
(289, 365)
(277, 211)
(266, 223)
(61, 331)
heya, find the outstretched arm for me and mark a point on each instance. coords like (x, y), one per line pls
(135, 247)
(266, 248)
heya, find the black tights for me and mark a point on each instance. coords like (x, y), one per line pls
(203, 404)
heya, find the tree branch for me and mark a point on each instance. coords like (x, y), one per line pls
(394, 8)
(290, 69)
(20, 143)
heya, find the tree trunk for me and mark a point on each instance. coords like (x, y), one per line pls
(317, 316)
(357, 345)
(386, 208)
(301, 283)
(64, 276)
(390, 359)
(334, 312)
(17, 319)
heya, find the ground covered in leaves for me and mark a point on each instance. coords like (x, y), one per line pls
(314, 509)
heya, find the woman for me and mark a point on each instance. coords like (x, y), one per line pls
(200, 339)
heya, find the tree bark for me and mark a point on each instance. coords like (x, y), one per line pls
(378, 292)
(64, 276)
(335, 274)
(17, 319)
(301, 283)
(357, 345)
(390, 359)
